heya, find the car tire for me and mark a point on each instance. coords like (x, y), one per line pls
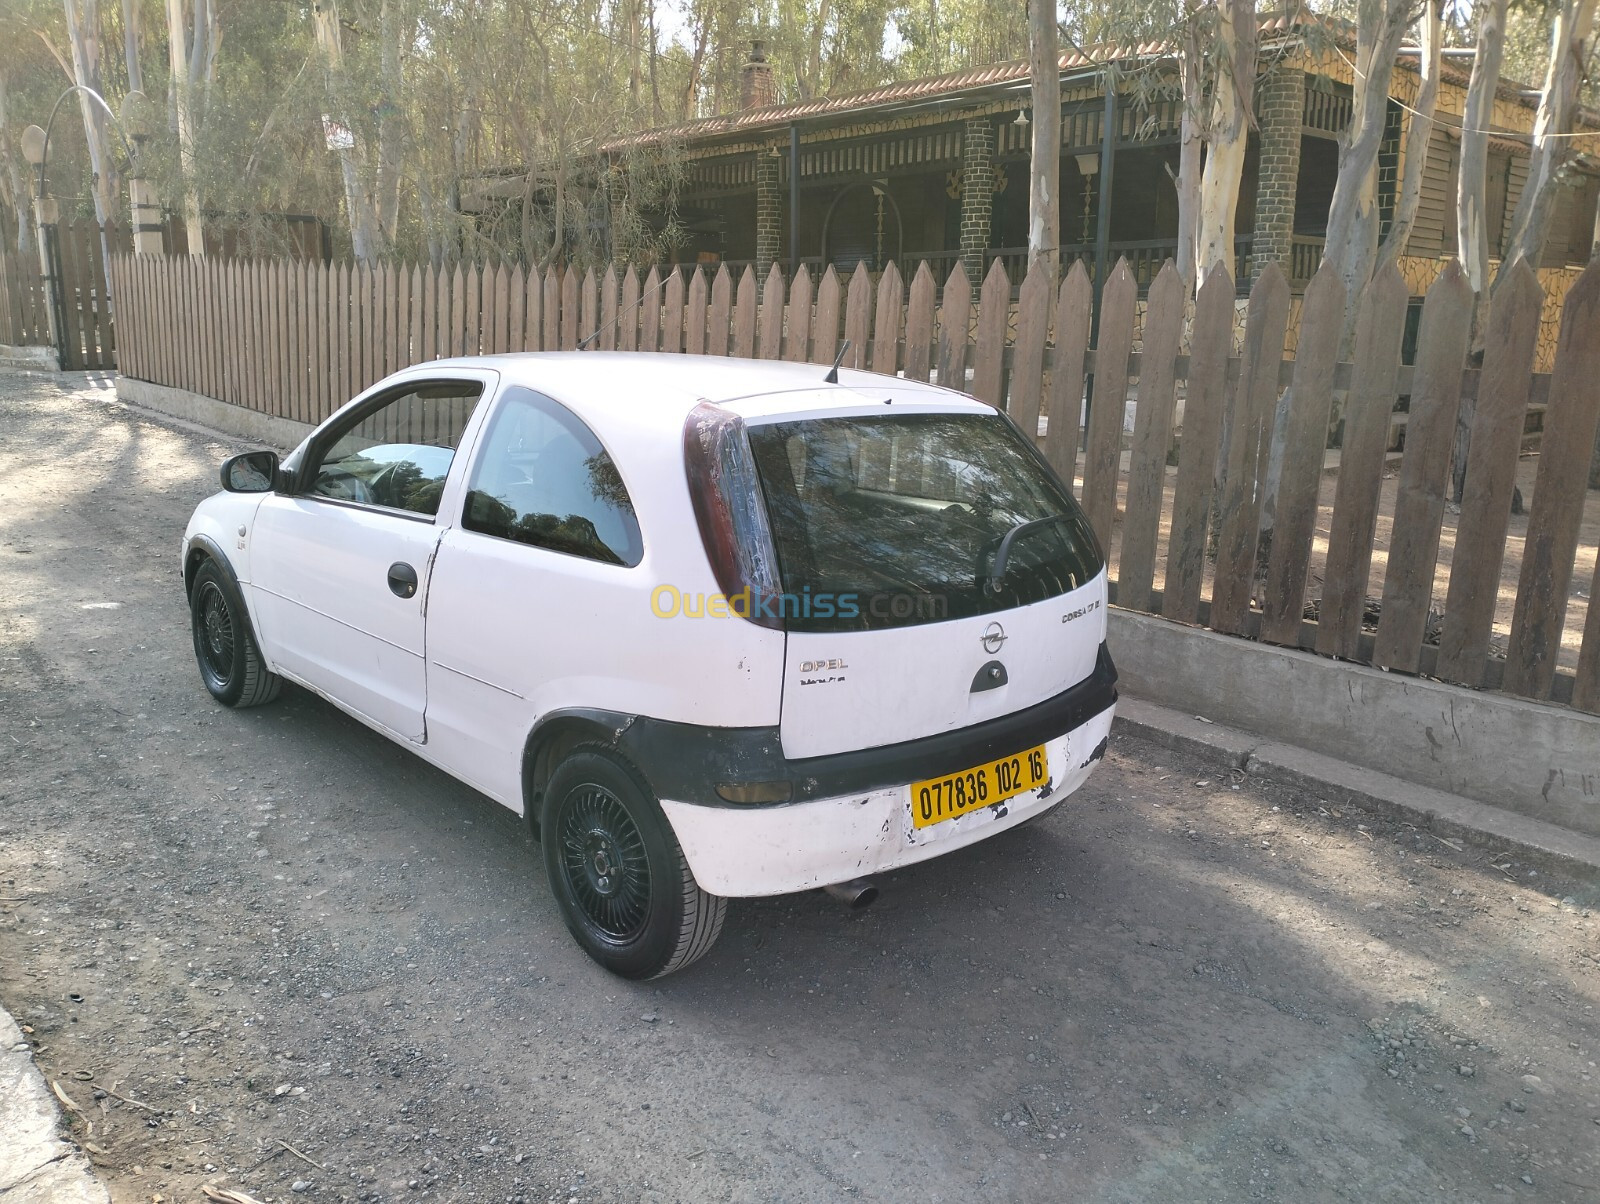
(224, 646)
(618, 873)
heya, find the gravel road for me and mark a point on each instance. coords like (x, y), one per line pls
(272, 951)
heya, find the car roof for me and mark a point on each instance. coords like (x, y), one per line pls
(658, 389)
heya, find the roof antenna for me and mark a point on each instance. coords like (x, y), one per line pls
(589, 338)
(833, 373)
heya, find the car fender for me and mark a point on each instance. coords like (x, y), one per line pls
(203, 545)
(224, 521)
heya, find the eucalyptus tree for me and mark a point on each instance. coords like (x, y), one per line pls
(1430, 36)
(84, 42)
(1044, 161)
(1571, 41)
(194, 36)
(1352, 236)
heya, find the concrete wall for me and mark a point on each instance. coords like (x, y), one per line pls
(42, 359)
(1529, 757)
(282, 433)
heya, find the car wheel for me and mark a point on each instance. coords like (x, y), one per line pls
(618, 873)
(230, 663)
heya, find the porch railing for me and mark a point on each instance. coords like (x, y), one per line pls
(1305, 253)
(1144, 257)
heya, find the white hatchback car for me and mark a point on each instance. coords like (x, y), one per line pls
(715, 627)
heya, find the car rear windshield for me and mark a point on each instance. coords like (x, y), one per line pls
(896, 520)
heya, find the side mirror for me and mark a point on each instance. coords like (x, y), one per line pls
(250, 472)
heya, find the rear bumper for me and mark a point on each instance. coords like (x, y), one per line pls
(738, 851)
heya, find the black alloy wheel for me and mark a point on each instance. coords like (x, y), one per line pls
(625, 890)
(603, 859)
(224, 647)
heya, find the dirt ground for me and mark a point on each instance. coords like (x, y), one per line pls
(273, 951)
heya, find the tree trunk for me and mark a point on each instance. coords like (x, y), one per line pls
(1190, 128)
(1229, 130)
(814, 58)
(16, 186)
(359, 211)
(658, 117)
(691, 90)
(83, 31)
(1044, 171)
(1472, 231)
(391, 131)
(431, 225)
(1594, 239)
(559, 238)
(1557, 106)
(1417, 137)
(13, 185)
(188, 51)
(1472, 188)
(130, 45)
(1352, 240)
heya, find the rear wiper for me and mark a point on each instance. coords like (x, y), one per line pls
(1003, 553)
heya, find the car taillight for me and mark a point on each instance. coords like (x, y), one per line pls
(730, 509)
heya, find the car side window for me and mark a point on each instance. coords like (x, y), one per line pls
(399, 454)
(544, 479)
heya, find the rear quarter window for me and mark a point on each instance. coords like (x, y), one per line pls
(543, 478)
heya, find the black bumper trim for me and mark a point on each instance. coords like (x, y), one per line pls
(684, 762)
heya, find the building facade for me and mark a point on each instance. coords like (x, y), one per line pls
(936, 171)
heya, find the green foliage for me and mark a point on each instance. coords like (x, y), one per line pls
(500, 127)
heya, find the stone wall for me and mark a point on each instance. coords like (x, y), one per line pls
(1419, 274)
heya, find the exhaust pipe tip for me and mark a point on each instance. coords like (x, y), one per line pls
(855, 894)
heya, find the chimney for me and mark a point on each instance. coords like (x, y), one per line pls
(756, 87)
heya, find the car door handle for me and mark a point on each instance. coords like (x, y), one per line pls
(403, 579)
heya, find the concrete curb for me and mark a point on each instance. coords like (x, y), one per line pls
(221, 416)
(37, 1165)
(32, 359)
(1537, 843)
(1534, 758)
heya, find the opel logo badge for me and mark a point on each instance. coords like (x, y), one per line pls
(993, 636)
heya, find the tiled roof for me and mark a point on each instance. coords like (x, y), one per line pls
(929, 88)
(995, 76)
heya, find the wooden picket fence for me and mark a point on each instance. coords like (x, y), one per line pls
(24, 320)
(82, 300)
(298, 339)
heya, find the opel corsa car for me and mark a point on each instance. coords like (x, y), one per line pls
(715, 627)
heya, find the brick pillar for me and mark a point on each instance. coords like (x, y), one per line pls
(1280, 102)
(977, 195)
(769, 211)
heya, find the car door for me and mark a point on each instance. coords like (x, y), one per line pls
(341, 562)
(535, 584)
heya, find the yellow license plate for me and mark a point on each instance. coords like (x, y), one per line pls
(939, 799)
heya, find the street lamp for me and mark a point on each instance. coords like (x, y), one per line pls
(1088, 168)
(36, 150)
